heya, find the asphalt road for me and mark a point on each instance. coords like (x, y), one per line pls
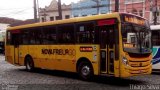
(17, 78)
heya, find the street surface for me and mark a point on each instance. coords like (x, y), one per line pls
(17, 78)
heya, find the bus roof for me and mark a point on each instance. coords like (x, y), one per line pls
(133, 14)
(155, 27)
(71, 20)
(65, 21)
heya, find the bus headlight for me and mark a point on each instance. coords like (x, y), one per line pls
(125, 61)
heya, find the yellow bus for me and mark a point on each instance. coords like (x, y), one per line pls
(115, 44)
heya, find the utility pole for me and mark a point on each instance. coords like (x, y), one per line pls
(116, 5)
(59, 9)
(155, 13)
(38, 16)
(44, 15)
(35, 10)
(97, 1)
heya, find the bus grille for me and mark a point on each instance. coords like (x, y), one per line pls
(139, 63)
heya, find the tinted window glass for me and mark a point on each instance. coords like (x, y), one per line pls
(85, 32)
(66, 34)
(49, 35)
(8, 38)
(156, 37)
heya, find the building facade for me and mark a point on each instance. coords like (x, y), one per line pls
(50, 13)
(144, 8)
(3, 28)
(90, 7)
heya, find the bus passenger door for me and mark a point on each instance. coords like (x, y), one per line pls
(107, 48)
(16, 41)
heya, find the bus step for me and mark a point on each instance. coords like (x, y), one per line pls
(103, 72)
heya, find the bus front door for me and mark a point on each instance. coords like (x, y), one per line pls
(16, 47)
(107, 51)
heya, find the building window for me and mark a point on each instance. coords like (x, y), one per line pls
(58, 18)
(94, 14)
(84, 15)
(67, 16)
(141, 13)
(76, 16)
(134, 11)
(103, 11)
(43, 19)
(51, 18)
(133, 1)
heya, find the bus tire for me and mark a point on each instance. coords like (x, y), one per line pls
(29, 64)
(85, 70)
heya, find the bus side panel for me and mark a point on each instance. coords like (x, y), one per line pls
(9, 54)
(93, 56)
(46, 57)
(54, 57)
(23, 51)
(65, 57)
(40, 61)
(156, 57)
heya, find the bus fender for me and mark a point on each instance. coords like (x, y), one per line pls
(83, 59)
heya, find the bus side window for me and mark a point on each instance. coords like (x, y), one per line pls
(25, 37)
(38, 36)
(66, 34)
(156, 37)
(48, 35)
(8, 38)
(32, 37)
(85, 32)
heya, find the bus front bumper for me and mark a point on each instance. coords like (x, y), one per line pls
(128, 71)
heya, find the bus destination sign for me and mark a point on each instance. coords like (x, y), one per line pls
(134, 19)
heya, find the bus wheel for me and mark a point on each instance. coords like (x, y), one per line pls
(29, 64)
(85, 70)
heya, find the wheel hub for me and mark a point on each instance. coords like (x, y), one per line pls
(28, 66)
(85, 70)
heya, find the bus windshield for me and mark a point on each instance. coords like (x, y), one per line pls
(136, 38)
